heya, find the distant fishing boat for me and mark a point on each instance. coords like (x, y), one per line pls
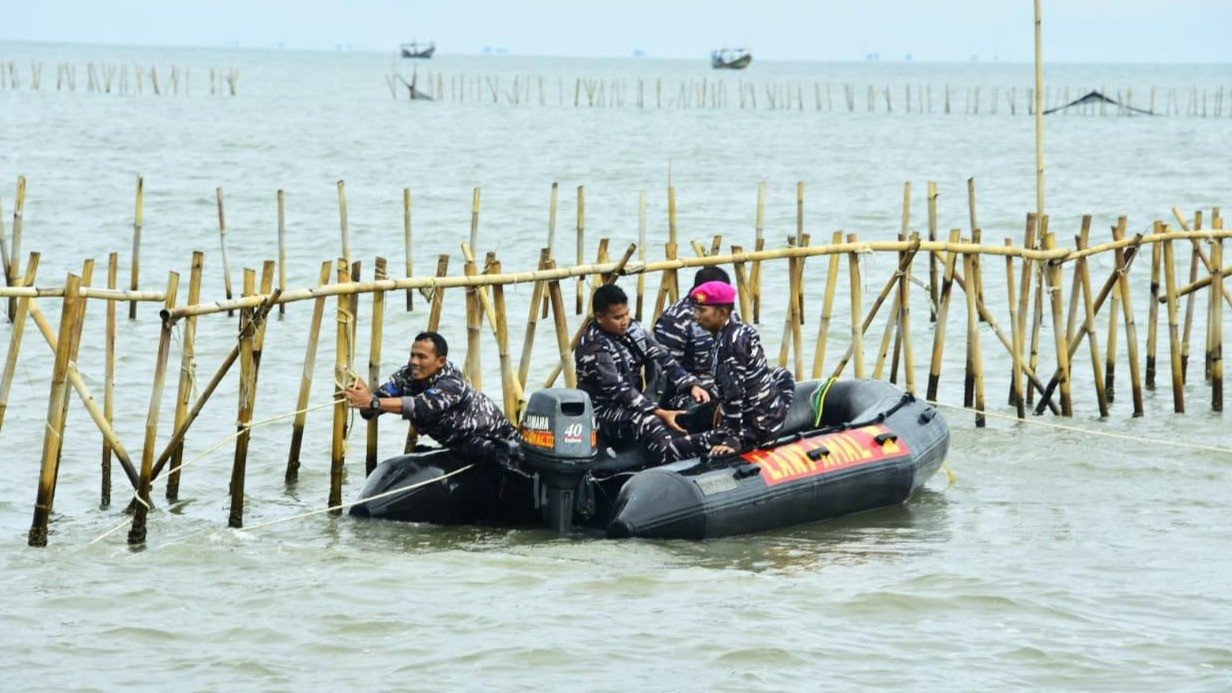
(730, 59)
(414, 50)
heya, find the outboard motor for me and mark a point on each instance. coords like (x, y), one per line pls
(559, 444)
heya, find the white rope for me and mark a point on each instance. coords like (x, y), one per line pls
(1089, 431)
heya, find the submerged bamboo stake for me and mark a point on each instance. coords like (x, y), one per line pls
(581, 248)
(538, 295)
(1216, 321)
(137, 533)
(1083, 272)
(943, 309)
(472, 369)
(341, 380)
(904, 318)
(9, 279)
(19, 325)
(374, 361)
(1024, 294)
(1131, 330)
(1174, 337)
(247, 397)
(511, 392)
(744, 291)
(933, 257)
(827, 307)
(53, 438)
(19, 213)
(759, 242)
(282, 249)
(857, 333)
(1055, 288)
(408, 244)
(109, 371)
(1015, 394)
(1190, 300)
(641, 254)
(222, 239)
(1037, 316)
(975, 355)
(137, 222)
(188, 371)
(1152, 328)
(562, 330)
(438, 295)
(305, 383)
(343, 224)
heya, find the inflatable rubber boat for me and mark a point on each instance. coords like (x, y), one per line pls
(846, 446)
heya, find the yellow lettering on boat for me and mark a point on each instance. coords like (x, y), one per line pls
(845, 449)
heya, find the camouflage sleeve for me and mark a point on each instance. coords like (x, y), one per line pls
(601, 373)
(672, 335)
(433, 401)
(735, 399)
(703, 348)
(389, 388)
(676, 375)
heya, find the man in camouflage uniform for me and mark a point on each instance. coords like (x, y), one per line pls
(431, 393)
(753, 397)
(677, 331)
(610, 357)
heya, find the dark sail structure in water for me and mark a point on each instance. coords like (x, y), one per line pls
(1096, 97)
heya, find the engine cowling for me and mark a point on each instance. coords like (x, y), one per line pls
(559, 443)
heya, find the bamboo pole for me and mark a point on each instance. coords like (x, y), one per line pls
(1039, 115)
(1190, 300)
(22, 308)
(1131, 330)
(438, 295)
(827, 308)
(343, 224)
(109, 371)
(641, 253)
(943, 308)
(743, 288)
(538, 295)
(137, 533)
(1055, 289)
(472, 369)
(904, 319)
(188, 368)
(222, 240)
(562, 330)
(1174, 337)
(408, 244)
(933, 258)
(857, 333)
(53, 433)
(759, 242)
(581, 248)
(1037, 316)
(282, 249)
(137, 223)
(975, 356)
(511, 391)
(1083, 271)
(19, 213)
(9, 279)
(247, 397)
(872, 313)
(1216, 327)
(1152, 333)
(374, 361)
(342, 368)
(305, 383)
(1015, 395)
(673, 244)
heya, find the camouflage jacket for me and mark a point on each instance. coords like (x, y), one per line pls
(609, 368)
(446, 407)
(750, 391)
(677, 331)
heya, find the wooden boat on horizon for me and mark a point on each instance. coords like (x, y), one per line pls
(730, 59)
(414, 50)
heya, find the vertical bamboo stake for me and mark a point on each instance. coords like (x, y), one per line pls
(19, 326)
(305, 383)
(508, 390)
(1152, 328)
(53, 433)
(538, 295)
(552, 207)
(904, 319)
(562, 330)
(342, 222)
(374, 360)
(641, 252)
(975, 357)
(1216, 328)
(9, 279)
(1082, 269)
(943, 308)
(247, 396)
(1055, 289)
(1189, 300)
(438, 295)
(933, 257)
(222, 240)
(1039, 115)
(136, 534)
(581, 247)
(408, 244)
(1015, 353)
(341, 380)
(673, 289)
(759, 242)
(109, 371)
(857, 331)
(789, 319)
(1037, 315)
(282, 249)
(1131, 330)
(19, 213)
(827, 306)
(473, 370)
(1174, 336)
(188, 368)
(137, 222)
(742, 282)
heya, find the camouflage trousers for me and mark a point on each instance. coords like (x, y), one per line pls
(662, 445)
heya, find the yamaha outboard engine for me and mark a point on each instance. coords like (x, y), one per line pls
(559, 443)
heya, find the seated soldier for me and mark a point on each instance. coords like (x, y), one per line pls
(753, 397)
(693, 348)
(431, 393)
(610, 358)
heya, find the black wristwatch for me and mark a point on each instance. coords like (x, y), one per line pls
(376, 403)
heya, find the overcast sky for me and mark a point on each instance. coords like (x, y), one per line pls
(1170, 31)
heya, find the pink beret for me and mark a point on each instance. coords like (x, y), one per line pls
(714, 293)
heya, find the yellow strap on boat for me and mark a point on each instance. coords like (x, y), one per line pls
(819, 400)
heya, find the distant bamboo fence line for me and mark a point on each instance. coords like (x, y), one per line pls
(820, 96)
(107, 78)
(1053, 307)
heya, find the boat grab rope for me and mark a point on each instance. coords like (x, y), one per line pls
(1090, 431)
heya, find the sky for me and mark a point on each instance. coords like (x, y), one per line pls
(1107, 31)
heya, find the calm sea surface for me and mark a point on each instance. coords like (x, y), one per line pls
(1056, 558)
